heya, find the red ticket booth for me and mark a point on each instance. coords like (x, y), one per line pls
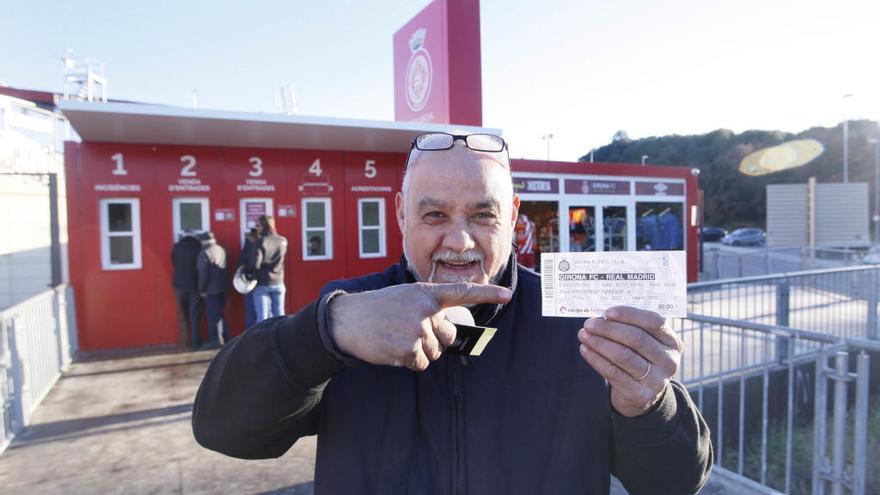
(143, 174)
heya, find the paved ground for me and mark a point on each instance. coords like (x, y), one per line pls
(123, 426)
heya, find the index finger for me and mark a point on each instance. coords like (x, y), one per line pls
(648, 321)
(463, 293)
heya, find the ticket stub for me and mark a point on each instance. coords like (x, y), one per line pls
(582, 285)
(470, 340)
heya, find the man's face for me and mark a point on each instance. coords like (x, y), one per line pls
(458, 217)
(315, 246)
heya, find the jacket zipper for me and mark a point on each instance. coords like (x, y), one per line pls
(457, 426)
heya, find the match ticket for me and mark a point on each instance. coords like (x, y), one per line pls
(582, 285)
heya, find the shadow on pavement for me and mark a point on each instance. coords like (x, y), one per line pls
(82, 427)
(136, 368)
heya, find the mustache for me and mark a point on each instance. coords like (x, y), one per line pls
(452, 257)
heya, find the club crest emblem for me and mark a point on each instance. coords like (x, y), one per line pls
(564, 266)
(419, 72)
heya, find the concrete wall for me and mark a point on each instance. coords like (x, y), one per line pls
(25, 259)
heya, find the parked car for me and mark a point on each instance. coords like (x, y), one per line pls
(873, 256)
(745, 237)
(712, 234)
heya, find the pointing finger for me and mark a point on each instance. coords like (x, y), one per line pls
(464, 293)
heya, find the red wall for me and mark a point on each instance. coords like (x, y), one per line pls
(136, 308)
(133, 308)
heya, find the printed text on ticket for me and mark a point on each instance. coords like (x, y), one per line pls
(586, 284)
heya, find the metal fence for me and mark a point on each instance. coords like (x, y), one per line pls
(721, 263)
(757, 363)
(37, 342)
(840, 302)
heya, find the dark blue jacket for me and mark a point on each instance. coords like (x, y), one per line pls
(527, 416)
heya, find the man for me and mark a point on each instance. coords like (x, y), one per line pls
(247, 252)
(364, 366)
(267, 263)
(185, 283)
(211, 266)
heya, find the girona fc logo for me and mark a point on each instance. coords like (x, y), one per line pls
(418, 72)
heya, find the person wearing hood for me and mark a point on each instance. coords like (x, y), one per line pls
(185, 283)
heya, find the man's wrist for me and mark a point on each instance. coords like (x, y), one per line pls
(328, 326)
(654, 424)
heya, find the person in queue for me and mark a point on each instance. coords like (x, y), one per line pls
(247, 252)
(267, 263)
(213, 282)
(185, 282)
(553, 405)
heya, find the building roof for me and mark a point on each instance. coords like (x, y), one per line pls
(158, 124)
(43, 99)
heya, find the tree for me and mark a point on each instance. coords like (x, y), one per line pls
(620, 136)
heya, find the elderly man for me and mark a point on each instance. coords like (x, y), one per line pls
(551, 406)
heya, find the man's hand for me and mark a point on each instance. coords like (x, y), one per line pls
(403, 325)
(635, 352)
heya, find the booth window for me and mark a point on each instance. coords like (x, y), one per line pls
(190, 214)
(371, 227)
(317, 239)
(120, 234)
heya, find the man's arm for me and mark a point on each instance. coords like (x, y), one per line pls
(262, 391)
(666, 450)
(256, 257)
(661, 443)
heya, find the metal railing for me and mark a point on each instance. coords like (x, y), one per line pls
(719, 263)
(756, 362)
(37, 342)
(837, 301)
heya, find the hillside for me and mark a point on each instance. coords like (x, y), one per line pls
(734, 199)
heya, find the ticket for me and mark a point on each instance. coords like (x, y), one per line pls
(582, 285)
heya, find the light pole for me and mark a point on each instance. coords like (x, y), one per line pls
(846, 141)
(876, 143)
(547, 137)
(644, 157)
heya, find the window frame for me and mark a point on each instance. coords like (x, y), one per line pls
(175, 214)
(380, 228)
(242, 213)
(327, 228)
(106, 234)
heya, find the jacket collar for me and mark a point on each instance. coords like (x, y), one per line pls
(483, 313)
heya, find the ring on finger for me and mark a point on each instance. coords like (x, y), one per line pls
(647, 371)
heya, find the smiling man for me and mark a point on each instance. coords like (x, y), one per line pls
(551, 406)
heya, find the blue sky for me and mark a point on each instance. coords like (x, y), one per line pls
(578, 69)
